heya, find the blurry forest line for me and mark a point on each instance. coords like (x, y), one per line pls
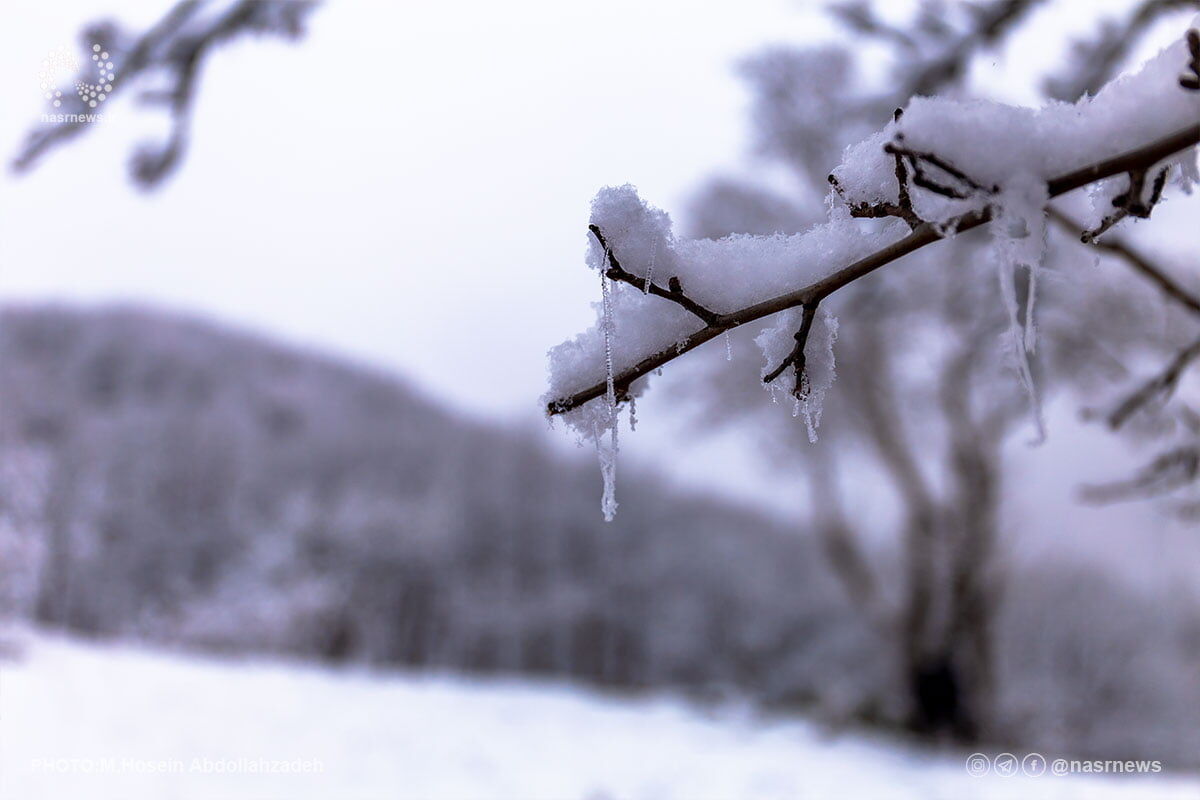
(170, 481)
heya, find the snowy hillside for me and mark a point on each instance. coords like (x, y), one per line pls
(189, 728)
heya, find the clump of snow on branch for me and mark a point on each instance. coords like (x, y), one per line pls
(992, 142)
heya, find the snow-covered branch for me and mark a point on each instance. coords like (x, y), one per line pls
(940, 167)
(1138, 159)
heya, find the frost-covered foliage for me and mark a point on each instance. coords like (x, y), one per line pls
(170, 480)
(940, 160)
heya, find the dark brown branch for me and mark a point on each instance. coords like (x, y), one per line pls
(796, 358)
(674, 292)
(1139, 158)
(902, 209)
(922, 178)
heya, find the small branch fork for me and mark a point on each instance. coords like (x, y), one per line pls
(918, 161)
(673, 292)
(1130, 203)
(903, 208)
(796, 358)
(922, 234)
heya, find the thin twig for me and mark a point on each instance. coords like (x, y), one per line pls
(1169, 471)
(1161, 385)
(1130, 204)
(176, 48)
(1165, 381)
(921, 178)
(1136, 259)
(902, 209)
(796, 358)
(674, 292)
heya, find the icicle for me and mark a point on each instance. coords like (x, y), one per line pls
(1030, 339)
(608, 470)
(811, 421)
(607, 325)
(1020, 240)
(1019, 351)
(650, 270)
(811, 410)
(608, 457)
(728, 347)
(796, 408)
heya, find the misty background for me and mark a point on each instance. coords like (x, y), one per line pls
(286, 403)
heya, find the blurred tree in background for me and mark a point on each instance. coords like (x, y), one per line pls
(926, 399)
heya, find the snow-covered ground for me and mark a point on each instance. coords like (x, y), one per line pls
(100, 721)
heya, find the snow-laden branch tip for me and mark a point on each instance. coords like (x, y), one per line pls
(939, 168)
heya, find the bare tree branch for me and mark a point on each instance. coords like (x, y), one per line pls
(1168, 471)
(992, 22)
(1102, 58)
(1161, 385)
(1164, 383)
(1136, 259)
(176, 48)
(1141, 158)
(903, 208)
